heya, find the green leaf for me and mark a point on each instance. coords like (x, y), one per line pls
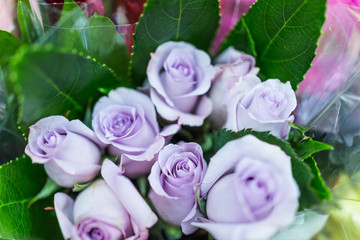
(165, 231)
(80, 187)
(318, 183)
(20, 181)
(143, 185)
(97, 37)
(304, 145)
(8, 46)
(108, 46)
(201, 202)
(49, 81)
(30, 26)
(193, 21)
(283, 34)
(346, 155)
(12, 143)
(49, 189)
(301, 172)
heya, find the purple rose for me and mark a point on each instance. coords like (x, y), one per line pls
(262, 106)
(68, 149)
(108, 209)
(174, 179)
(250, 193)
(179, 76)
(126, 120)
(231, 65)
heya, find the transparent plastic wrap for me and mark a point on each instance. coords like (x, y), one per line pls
(329, 95)
(78, 29)
(329, 104)
(81, 26)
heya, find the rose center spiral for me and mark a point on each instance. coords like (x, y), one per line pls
(274, 100)
(96, 234)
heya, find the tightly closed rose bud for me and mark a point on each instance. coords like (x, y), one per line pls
(108, 209)
(126, 120)
(179, 76)
(68, 150)
(174, 179)
(265, 106)
(250, 193)
(231, 65)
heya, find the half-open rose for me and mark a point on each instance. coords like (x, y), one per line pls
(175, 179)
(126, 120)
(179, 76)
(250, 193)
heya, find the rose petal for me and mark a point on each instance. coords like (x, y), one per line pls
(236, 231)
(186, 226)
(128, 195)
(224, 160)
(76, 126)
(172, 210)
(64, 206)
(66, 173)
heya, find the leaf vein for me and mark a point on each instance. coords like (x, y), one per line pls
(282, 28)
(179, 21)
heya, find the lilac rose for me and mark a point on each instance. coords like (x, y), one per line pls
(231, 65)
(175, 179)
(126, 120)
(262, 106)
(69, 150)
(108, 209)
(251, 194)
(179, 76)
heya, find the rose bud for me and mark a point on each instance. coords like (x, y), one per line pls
(230, 66)
(174, 180)
(262, 106)
(251, 194)
(179, 76)
(69, 150)
(126, 120)
(107, 209)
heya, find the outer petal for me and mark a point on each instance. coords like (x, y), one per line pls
(64, 207)
(128, 195)
(217, 230)
(78, 149)
(155, 181)
(186, 226)
(76, 126)
(133, 168)
(227, 157)
(172, 210)
(223, 231)
(203, 110)
(66, 173)
(245, 119)
(99, 202)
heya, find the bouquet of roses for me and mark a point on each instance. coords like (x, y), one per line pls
(122, 125)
